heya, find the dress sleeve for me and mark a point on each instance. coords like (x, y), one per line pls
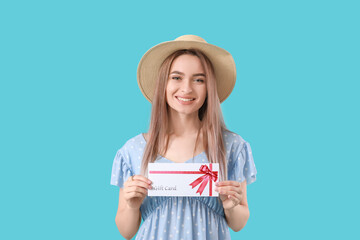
(243, 167)
(121, 170)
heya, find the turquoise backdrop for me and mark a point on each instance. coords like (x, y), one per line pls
(69, 99)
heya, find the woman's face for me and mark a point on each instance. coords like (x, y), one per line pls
(186, 85)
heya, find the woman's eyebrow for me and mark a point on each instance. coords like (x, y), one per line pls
(177, 72)
(195, 75)
(199, 74)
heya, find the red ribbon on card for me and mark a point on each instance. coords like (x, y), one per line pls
(209, 175)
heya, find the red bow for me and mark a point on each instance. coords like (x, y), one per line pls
(209, 175)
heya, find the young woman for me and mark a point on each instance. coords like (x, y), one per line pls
(185, 80)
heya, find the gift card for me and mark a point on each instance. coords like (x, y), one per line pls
(183, 179)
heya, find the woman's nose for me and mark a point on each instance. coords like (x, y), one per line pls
(186, 86)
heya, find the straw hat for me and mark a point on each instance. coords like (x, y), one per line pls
(222, 61)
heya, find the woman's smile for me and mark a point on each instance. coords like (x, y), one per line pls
(185, 100)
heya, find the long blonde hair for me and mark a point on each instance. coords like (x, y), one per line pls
(210, 115)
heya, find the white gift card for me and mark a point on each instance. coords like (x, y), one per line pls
(183, 179)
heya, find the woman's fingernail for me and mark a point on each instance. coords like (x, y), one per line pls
(149, 182)
(150, 187)
(216, 184)
(216, 189)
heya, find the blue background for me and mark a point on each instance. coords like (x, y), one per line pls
(69, 99)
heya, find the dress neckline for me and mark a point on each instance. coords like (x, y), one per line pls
(203, 152)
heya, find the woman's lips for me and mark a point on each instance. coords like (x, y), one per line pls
(185, 101)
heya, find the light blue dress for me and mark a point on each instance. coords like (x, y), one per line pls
(186, 218)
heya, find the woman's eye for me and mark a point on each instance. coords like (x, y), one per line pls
(176, 78)
(199, 80)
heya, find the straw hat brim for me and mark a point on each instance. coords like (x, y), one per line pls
(222, 61)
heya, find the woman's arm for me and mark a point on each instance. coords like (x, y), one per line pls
(233, 196)
(128, 216)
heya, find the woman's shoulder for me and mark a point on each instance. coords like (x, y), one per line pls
(136, 139)
(232, 138)
(133, 144)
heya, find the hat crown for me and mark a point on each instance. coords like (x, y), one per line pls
(190, 38)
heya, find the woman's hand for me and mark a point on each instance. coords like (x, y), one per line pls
(230, 193)
(135, 190)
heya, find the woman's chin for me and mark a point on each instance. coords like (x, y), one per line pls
(185, 112)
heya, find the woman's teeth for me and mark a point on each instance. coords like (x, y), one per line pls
(186, 99)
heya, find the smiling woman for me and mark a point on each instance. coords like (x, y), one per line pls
(185, 80)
